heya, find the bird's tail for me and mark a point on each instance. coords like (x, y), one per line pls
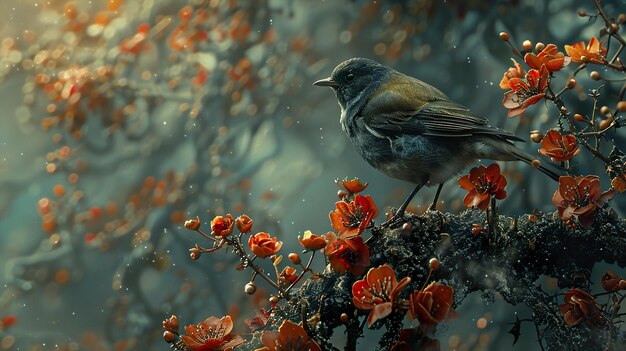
(544, 166)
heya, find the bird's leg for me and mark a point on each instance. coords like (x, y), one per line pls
(433, 206)
(400, 212)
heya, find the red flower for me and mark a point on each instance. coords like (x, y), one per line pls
(288, 275)
(579, 306)
(431, 305)
(523, 94)
(244, 223)
(351, 218)
(580, 196)
(289, 337)
(550, 57)
(612, 283)
(378, 292)
(482, 182)
(211, 335)
(592, 52)
(559, 147)
(222, 226)
(513, 72)
(263, 245)
(353, 186)
(349, 254)
(311, 241)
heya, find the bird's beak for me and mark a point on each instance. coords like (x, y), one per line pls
(326, 82)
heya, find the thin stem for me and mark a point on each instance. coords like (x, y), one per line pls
(206, 235)
(306, 269)
(246, 260)
(607, 22)
(615, 57)
(430, 272)
(595, 152)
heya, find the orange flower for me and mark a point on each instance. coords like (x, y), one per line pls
(580, 196)
(378, 292)
(349, 254)
(211, 335)
(289, 337)
(593, 52)
(244, 223)
(559, 147)
(288, 275)
(263, 245)
(353, 186)
(222, 226)
(431, 305)
(549, 56)
(193, 224)
(351, 218)
(483, 182)
(579, 306)
(311, 241)
(513, 72)
(523, 94)
(612, 283)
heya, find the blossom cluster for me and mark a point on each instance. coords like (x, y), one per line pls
(379, 291)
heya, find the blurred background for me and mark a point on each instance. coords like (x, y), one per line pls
(123, 118)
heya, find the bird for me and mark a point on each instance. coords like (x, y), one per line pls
(410, 130)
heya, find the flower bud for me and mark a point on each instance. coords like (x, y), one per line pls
(274, 299)
(433, 264)
(169, 337)
(193, 224)
(344, 316)
(244, 223)
(536, 136)
(250, 288)
(606, 123)
(571, 83)
(595, 75)
(580, 118)
(527, 45)
(194, 255)
(294, 258)
(476, 229)
(613, 28)
(605, 110)
(342, 193)
(504, 36)
(406, 228)
(535, 163)
(584, 59)
(621, 18)
(582, 13)
(171, 324)
(539, 46)
(621, 106)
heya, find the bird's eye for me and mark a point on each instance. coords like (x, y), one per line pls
(350, 77)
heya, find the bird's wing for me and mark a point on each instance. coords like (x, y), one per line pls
(403, 108)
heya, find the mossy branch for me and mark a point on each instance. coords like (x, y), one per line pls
(527, 248)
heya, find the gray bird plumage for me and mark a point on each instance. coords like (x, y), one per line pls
(410, 130)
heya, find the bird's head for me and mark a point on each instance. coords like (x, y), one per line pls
(351, 79)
